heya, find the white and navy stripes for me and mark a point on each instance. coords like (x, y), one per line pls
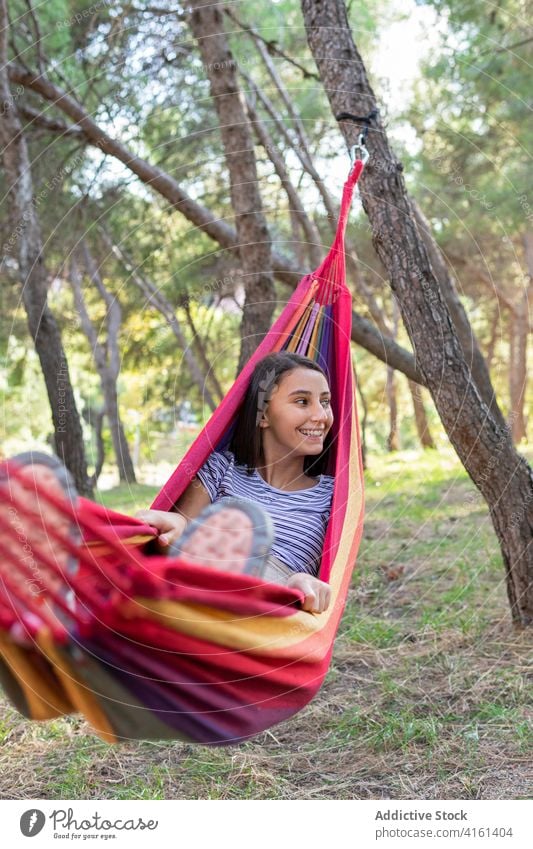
(300, 518)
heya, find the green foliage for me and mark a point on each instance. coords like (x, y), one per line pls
(472, 115)
(140, 76)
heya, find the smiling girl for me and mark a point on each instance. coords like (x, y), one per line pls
(275, 460)
(261, 507)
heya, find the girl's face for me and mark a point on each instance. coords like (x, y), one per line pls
(298, 415)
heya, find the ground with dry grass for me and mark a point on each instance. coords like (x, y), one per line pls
(427, 697)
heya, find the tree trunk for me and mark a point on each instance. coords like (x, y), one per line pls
(422, 424)
(299, 246)
(199, 348)
(26, 241)
(106, 366)
(120, 443)
(393, 439)
(111, 372)
(252, 231)
(155, 297)
(520, 328)
(95, 419)
(493, 337)
(485, 447)
(518, 331)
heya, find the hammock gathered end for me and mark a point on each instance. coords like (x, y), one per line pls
(151, 647)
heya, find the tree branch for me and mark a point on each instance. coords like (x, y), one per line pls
(363, 332)
(155, 297)
(309, 227)
(52, 125)
(270, 45)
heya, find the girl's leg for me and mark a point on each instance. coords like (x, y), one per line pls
(28, 516)
(234, 534)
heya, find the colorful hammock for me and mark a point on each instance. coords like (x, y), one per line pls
(154, 647)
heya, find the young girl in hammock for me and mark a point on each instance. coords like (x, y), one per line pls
(274, 459)
(263, 505)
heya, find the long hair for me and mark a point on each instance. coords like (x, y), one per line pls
(246, 443)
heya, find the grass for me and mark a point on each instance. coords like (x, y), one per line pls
(427, 695)
(127, 498)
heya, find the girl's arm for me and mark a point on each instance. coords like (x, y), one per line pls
(171, 524)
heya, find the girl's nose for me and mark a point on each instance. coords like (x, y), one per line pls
(319, 413)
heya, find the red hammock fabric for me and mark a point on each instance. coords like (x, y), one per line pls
(158, 648)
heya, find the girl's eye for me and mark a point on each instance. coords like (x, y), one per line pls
(326, 401)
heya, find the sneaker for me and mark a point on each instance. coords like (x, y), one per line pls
(232, 534)
(33, 557)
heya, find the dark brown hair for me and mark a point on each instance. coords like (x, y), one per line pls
(246, 442)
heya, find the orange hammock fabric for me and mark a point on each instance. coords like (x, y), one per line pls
(155, 647)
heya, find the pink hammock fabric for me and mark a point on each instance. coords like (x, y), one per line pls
(160, 648)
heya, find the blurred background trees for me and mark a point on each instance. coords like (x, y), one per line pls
(132, 194)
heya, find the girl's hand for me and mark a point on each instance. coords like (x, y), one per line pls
(169, 525)
(317, 593)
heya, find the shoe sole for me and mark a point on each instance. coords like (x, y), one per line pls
(65, 481)
(232, 534)
(28, 534)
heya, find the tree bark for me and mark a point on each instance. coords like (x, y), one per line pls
(25, 241)
(363, 331)
(252, 232)
(485, 447)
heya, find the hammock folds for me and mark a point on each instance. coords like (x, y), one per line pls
(152, 647)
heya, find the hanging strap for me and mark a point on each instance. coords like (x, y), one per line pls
(347, 195)
(363, 120)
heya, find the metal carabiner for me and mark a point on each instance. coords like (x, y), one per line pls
(359, 148)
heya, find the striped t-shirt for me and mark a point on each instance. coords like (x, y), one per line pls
(300, 518)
